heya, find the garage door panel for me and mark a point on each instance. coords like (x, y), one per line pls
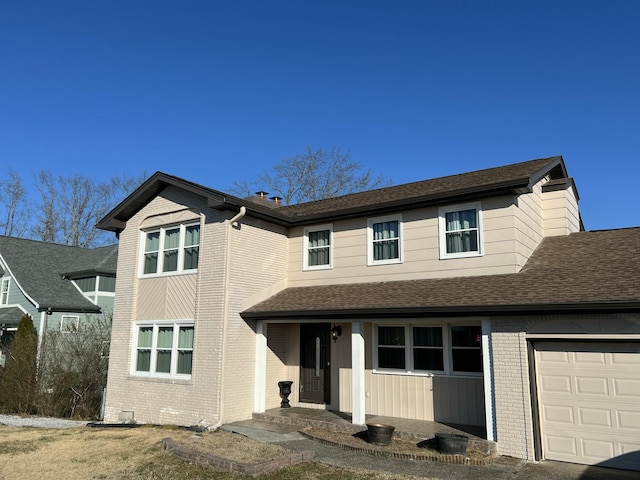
(589, 402)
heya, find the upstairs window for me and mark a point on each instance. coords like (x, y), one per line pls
(164, 349)
(171, 250)
(384, 245)
(4, 291)
(318, 254)
(460, 233)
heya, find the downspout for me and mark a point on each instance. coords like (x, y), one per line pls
(225, 311)
(43, 327)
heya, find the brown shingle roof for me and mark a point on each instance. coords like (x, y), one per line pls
(581, 271)
(515, 176)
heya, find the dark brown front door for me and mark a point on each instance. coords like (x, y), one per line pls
(314, 362)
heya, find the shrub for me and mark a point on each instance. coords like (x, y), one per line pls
(73, 370)
(18, 383)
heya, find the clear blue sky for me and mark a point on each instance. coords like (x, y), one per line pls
(217, 91)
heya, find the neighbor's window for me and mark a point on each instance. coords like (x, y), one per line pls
(4, 291)
(317, 247)
(69, 324)
(171, 249)
(444, 349)
(164, 349)
(460, 234)
(384, 240)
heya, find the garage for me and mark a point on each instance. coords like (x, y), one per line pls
(588, 396)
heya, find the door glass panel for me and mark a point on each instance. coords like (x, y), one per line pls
(317, 357)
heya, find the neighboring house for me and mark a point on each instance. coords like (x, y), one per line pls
(57, 285)
(472, 299)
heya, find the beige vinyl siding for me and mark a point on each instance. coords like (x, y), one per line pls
(420, 249)
(167, 298)
(528, 223)
(561, 215)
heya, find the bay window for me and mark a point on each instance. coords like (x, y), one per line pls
(163, 349)
(440, 349)
(172, 249)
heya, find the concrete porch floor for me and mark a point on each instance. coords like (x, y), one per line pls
(340, 421)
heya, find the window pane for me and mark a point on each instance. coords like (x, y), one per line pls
(163, 362)
(143, 362)
(170, 261)
(384, 230)
(467, 360)
(151, 263)
(385, 250)
(428, 359)
(462, 220)
(185, 359)
(152, 243)
(185, 337)
(391, 336)
(319, 239)
(165, 337)
(462, 242)
(145, 337)
(391, 358)
(466, 336)
(192, 235)
(318, 256)
(427, 336)
(171, 238)
(191, 258)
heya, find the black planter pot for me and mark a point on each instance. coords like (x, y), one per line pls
(379, 433)
(452, 443)
(285, 391)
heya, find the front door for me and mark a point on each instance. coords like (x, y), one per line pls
(314, 362)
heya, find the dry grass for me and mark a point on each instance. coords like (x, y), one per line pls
(134, 454)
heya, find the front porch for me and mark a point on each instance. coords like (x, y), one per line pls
(338, 421)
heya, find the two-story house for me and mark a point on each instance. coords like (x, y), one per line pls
(58, 286)
(472, 299)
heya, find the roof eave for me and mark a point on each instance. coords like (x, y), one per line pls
(445, 311)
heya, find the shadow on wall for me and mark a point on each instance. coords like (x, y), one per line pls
(622, 467)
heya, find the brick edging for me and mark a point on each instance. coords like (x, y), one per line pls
(221, 464)
(453, 459)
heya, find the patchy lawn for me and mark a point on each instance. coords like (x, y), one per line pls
(123, 453)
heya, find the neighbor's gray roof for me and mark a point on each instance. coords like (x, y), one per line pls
(510, 179)
(583, 271)
(39, 268)
(10, 316)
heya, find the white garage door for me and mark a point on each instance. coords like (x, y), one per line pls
(589, 402)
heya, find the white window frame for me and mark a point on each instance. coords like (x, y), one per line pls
(161, 250)
(305, 260)
(442, 222)
(4, 291)
(370, 240)
(447, 349)
(72, 324)
(156, 325)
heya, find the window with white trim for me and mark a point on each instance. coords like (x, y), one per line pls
(317, 247)
(440, 349)
(460, 232)
(69, 323)
(163, 349)
(383, 240)
(4, 291)
(170, 250)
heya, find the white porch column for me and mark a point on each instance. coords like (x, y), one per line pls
(487, 372)
(260, 386)
(357, 374)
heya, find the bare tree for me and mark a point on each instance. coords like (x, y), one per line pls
(16, 210)
(69, 207)
(316, 174)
